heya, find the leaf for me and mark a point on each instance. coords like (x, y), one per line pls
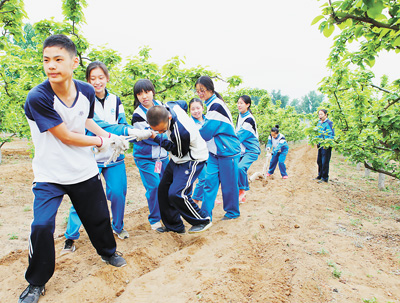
(316, 19)
(328, 30)
(375, 10)
(396, 42)
(370, 62)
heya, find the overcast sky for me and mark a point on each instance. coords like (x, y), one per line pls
(270, 44)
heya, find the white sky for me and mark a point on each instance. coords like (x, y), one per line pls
(270, 44)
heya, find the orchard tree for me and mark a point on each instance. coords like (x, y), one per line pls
(21, 59)
(366, 114)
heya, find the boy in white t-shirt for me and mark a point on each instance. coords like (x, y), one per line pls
(58, 111)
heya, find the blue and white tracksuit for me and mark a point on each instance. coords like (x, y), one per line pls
(188, 156)
(146, 153)
(199, 189)
(326, 131)
(246, 130)
(110, 116)
(280, 149)
(224, 153)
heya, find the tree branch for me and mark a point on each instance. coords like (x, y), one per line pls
(391, 103)
(3, 2)
(7, 139)
(366, 165)
(341, 111)
(365, 20)
(5, 85)
(382, 89)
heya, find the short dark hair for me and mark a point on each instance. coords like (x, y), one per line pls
(275, 129)
(62, 41)
(324, 111)
(157, 114)
(140, 86)
(96, 64)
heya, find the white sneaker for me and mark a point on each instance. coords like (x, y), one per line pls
(122, 235)
(156, 225)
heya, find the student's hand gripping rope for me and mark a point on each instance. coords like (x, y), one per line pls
(121, 143)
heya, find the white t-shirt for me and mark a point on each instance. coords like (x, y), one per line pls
(54, 161)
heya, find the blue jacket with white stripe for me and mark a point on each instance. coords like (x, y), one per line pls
(246, 130)
(278, 144)
(325, 129)
(149, 148)
(218, 129)
(184, 140)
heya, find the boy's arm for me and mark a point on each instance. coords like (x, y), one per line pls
(62, 133)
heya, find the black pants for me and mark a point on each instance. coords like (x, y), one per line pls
(324, 156)
(175, 195)
(90, 203)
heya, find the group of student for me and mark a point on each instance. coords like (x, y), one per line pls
(71, 119)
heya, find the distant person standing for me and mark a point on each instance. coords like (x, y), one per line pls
(246, 130)
(280, 149)
(326, 131)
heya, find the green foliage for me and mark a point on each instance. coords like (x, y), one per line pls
(365, 115)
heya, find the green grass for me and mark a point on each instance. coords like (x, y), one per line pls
(13, 236)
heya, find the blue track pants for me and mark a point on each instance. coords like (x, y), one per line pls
(224, 171)
(279, 158)
(150, 181)
(244, 164)
(199, 189)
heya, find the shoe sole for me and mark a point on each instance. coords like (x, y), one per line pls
(108, 263)
(200, 231)
(69, 250)
(122, 238)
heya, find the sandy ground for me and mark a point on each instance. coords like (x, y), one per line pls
(295, 241)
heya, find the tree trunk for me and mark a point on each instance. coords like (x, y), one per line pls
(358, 166)
(381, 181)
(366, 172)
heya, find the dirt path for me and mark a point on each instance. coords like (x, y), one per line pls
(296, 241)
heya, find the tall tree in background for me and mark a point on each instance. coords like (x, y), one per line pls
(277, 95)
(365, 110)
(308, 104)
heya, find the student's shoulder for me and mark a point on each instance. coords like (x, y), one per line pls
(42, 91)
(84, 87)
